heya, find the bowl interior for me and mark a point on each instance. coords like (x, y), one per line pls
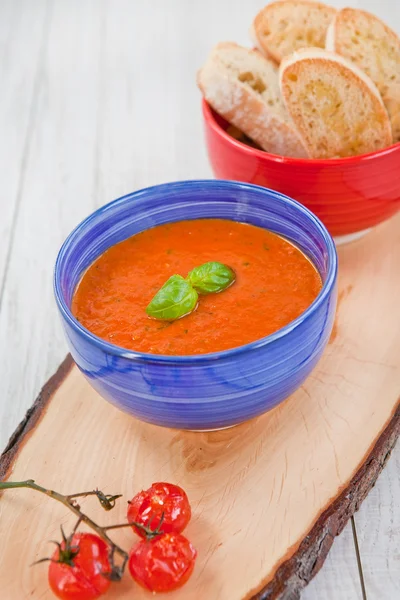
(220, 125)
(190, 200)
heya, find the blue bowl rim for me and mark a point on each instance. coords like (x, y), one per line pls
(212, 356)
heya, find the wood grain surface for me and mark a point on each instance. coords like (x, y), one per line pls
(268, 496)
(98, 99)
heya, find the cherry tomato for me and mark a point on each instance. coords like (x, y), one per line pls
(163, 563)
(84, 580)
(148, 506)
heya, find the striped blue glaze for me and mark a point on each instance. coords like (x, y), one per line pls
(212, 390)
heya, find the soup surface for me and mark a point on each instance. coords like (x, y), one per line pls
(274, 284)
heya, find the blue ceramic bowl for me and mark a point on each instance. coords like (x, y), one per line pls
(208, 391)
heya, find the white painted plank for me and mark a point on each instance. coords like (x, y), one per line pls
(378, 534)
(339, 577)
(57, 191)
(22, 28)
(117, 109)
(387, 10)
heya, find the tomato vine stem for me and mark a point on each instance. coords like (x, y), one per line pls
(106, 501)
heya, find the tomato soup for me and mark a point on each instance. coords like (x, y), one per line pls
(274, 284)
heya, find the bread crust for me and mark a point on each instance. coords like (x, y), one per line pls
(269, 126)
(290, 35)
(371, 45)
(323, 118)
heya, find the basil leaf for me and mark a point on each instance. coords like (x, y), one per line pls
(175, 299)
(211, 277)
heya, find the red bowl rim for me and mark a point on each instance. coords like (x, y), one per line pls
(208, 113)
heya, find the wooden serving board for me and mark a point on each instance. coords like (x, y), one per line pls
(268, 496)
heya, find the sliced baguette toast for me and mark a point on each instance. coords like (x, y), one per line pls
(336, 108)
(371, 45)
(288, 25)
(243, 86)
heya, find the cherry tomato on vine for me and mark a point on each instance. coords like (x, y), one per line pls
(80, 573)
(148, 507)
(163, 563)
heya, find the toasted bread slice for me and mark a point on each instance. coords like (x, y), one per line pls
(243, 87)
(336, 108)
(371, 45)
(288, 25)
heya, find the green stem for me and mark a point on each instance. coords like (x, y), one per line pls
(83, 494)
(132, 524)
(116, 571)
(150, 533)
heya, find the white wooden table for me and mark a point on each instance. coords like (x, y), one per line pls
(97, 99)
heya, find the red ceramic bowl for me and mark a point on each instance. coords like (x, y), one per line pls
(350, 195)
